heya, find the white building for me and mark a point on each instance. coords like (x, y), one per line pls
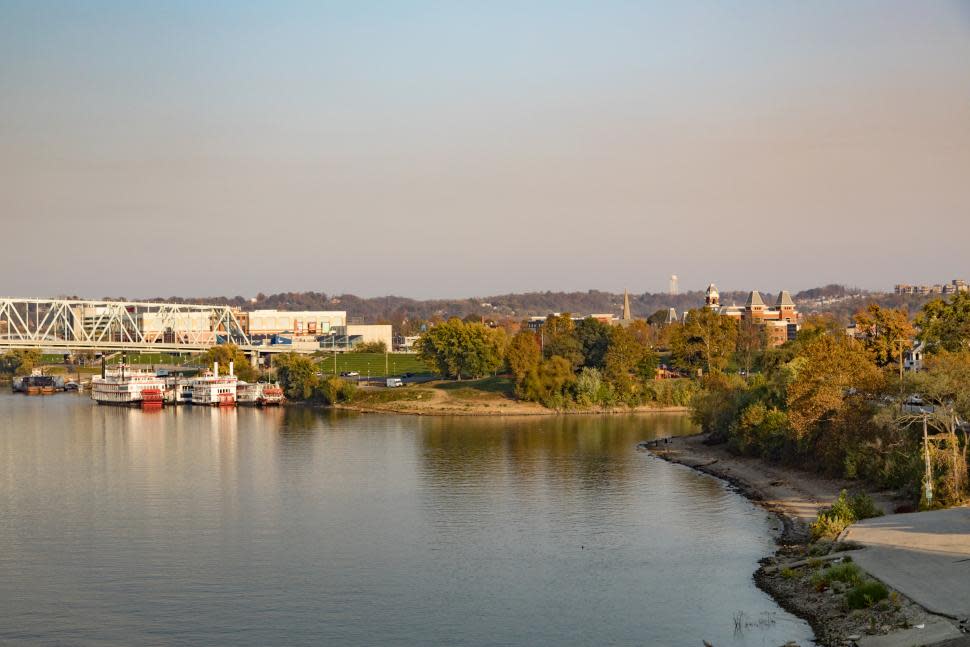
(272, 322)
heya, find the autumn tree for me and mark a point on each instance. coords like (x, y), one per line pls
(522, 356)
(831, 370)
(884, 332)
(225, 353)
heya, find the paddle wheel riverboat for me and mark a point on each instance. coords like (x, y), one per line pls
(213, 389)
(125, 386)
(259, 394)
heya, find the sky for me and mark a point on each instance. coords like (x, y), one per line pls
(446, 149)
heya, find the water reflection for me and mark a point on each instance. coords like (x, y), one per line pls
(204, 526)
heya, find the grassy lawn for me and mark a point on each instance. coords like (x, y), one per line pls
(373, 363)
(382, 395)
(489, 388)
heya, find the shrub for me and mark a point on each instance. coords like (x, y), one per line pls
(847, 573)
(842, 514)
(865, 594)
(334, 390)
(789, 573)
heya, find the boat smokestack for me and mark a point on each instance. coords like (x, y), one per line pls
(215, 368)
(231, 367)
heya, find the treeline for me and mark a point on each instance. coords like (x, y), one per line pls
(564, 365)
(837, 404)
(407, 315)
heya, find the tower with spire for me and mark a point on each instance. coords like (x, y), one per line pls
(626, 307)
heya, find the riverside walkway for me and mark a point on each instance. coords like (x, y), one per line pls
(925, 556)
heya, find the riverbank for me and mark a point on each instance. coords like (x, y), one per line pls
(791, 575)
(488, 397)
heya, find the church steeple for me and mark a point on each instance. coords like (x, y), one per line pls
(626, 306)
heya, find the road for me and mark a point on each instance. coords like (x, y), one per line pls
(925, 556)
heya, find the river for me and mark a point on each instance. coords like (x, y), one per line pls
(301, 527)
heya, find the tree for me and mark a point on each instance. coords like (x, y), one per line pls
(943, 384)
(225, 353)
(334, 390)
(882, 331)
(297, 375)
(623, 356)
(459, 349)
(550, 382)
(750, 344)
(558, 339)
(594, 339)
(522, 355)
(371, 347)
(705, 340)
(945, 325)
(832, 370)
(19, 362)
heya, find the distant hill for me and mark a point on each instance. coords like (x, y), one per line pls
(835, 299)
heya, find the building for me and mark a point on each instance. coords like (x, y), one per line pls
(954, 286)
(781, 321)
(265, 323)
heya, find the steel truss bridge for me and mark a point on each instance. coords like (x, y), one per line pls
(69, 325)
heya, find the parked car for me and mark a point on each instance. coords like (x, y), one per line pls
(350, 374)
(394, 382)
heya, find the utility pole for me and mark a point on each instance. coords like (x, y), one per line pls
(929, 469)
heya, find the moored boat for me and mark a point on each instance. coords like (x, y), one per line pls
(125, 386)
(259, 394)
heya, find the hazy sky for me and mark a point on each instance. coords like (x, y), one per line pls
(472, 148)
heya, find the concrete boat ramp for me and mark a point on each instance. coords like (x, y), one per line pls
(926, 557)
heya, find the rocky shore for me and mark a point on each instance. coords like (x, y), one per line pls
(796, 575)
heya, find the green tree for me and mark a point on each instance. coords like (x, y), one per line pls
(19, 362)
(550, 383)
(705, 340)
(297, 375)
(594, 339)
(558, 339)
(945, 325)
(882, 330)
(460, 349)
(334, 390)
(225, 353)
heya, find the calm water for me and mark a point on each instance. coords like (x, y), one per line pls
(295, 527)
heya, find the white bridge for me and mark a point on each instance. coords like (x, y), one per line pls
(68, 325)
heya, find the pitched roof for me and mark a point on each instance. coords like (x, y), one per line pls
(784, 299)
(754, 299)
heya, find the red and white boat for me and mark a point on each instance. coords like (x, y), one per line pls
(260, 394)
(213, 389)
(125, 386)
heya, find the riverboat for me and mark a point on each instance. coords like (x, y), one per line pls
(125, 386)
(259, 394)
(213, 389)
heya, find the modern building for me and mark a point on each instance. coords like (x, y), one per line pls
(264, 323)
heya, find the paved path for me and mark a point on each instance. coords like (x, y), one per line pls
(924, 555)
